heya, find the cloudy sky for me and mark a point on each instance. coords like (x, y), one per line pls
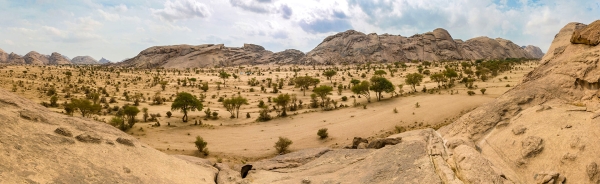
(117, 29)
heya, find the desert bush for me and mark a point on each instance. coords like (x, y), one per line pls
(400, 129)
(344, 98)
(470, 93)
(395, 110)
(483, 91)
(264, 115)
(282, 145)
(247, 115)
(201, 145)
(169, 114)
(322, 133)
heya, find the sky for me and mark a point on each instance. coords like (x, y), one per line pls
(118, 29)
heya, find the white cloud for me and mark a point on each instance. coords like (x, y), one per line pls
(109, 16)
(9, 42)
(182, 9)
(120, 8)
(53, 31)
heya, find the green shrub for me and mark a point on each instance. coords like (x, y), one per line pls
(322, 133)
(470, 93)
(344, 98)
(282, 145)
(483, 91)
(201, 145)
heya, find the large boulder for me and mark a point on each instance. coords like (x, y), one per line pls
(589, 35)
(35, 58)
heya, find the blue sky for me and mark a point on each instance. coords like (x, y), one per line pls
(117, 29)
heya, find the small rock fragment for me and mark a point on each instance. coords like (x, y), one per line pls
(89, 137)
(124, 141)
(519, 129)
(380, 143)
(532, 146)
(63, 131)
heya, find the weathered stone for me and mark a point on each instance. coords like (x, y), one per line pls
(357, 140)
(124, 141)
(519, 129)
(63, 131)
(532, 146)
(380, 143)
(89, 137)
(589, 35)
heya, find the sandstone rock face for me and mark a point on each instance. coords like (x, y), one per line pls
(15, 59)
(38, 146)
(35, 58)
(345, 47)
(589, 35)
(84, 60)
(419, 158)
(57, 59)
(543, 138)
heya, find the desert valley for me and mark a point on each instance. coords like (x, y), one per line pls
(358, 108)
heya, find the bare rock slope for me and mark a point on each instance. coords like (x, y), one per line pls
(356, 47)
(346, 47)
(35, 58)
(58, 59)
(39, 146)
(84, 60)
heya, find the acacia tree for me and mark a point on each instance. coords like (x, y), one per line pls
(224, 75)
(322, 91)
(362, 89)
(380, 85)
(233, 104)
(85, 107)
(130, 113)
(282, 100)
(186, 102)
(304, 82)
(413, 80)
(329, 74)
(437, 77)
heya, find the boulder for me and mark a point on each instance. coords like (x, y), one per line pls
(589, 35)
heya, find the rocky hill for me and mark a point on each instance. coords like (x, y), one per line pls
(35, 58)
(103, 61)
(57, 59)
(84, 60)
(356, 47)
(40, 146)
(346, 47)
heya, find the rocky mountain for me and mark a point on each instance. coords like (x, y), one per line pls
(346, 47)
(35, 58)
(104, 61)
(57, 59)
(186, 56)
(356, 47)
(534, 51)
(84, 60)
(15, 59)
(40, 146)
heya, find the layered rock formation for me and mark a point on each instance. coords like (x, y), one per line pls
(57, 59)
(40, 146)
(35, 58)
(84, 60)
(346, 47)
